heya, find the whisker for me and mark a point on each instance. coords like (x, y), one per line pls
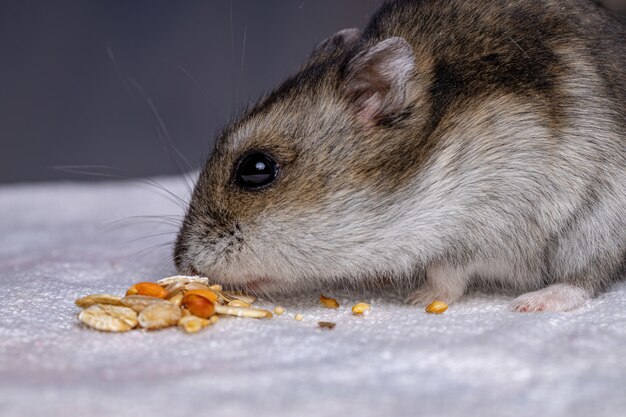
(164, 135)
(196, 82)
(179, 201)
(243, 49)
(152, 235)
(168, 219)
(125, 78)
(232, 45)
(88, 170)
(118, 71)
(152, 249)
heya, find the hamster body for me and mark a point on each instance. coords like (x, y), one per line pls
(481, 142)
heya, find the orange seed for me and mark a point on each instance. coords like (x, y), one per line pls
(328, 302)
(208, 294)
(199, 306)
(149, 289)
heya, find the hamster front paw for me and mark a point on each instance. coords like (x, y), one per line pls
(554, 298)
(443, 283)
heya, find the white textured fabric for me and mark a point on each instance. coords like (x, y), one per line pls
(58, 242)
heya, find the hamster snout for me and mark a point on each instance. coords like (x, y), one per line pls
(485, 152)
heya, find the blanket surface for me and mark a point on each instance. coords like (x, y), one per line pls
(59, 242)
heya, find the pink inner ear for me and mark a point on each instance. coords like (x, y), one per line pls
(371, 93)
(377, 77)
(370, 109)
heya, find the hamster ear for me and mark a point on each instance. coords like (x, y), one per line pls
(343, 39)
(375, 79)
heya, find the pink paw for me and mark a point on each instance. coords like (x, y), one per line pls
(554, 298)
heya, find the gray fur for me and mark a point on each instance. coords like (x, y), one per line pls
(483, 142)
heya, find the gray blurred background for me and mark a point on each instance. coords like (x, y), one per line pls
(81, 82)
(103, 83)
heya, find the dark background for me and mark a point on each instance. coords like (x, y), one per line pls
(84, 82)
(77, 77)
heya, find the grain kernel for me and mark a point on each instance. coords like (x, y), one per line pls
(197, 286)
(238, 303)
(193, 324)
(198, 305)
(231, 295)
(328, 302)
(251, 313)
(360, 308)
(177, 300)
(92, 299)
(208, 294)
(174, 289)
(139, 302)
(184, 279)
(326, 325)
(436, 307)
(159, 315)
(214, 319)
(108, 318)
(278, 310)
(298, 317)
(149, 289)
(216, 287)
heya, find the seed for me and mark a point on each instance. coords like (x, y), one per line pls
(109, 318)
(139, 302)
(198, 305)
(214, 319)
(326, 324)
(231, 295)
(174, 288)
(197, 286)
(193, 324)
(159, 315)
(208, 294)
(278, 310)
(298, 317)
(184, 279)
(177, 300)
(149, 289)
(328, 302)
(92, 299)
(436, 307)
(216, 287)
(253, 313)
(238, 303)
(360, 308)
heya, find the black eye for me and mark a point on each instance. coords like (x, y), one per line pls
(256, 170)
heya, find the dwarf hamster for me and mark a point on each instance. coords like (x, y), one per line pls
(483, 142)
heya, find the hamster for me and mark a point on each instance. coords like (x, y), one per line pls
(480, 142)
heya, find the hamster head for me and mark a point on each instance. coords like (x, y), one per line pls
(301, 189)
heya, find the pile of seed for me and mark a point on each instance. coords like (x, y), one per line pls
(188, 302)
